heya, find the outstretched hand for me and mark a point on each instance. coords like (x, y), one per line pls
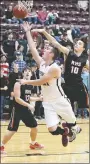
(26, 26)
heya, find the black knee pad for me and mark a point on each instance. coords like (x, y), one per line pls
(58, 131)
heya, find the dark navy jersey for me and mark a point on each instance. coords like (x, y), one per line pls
(73, 68)
(26, 91)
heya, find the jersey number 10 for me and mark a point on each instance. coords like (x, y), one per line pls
(74, 70)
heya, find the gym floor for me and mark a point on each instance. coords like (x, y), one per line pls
(18, 147)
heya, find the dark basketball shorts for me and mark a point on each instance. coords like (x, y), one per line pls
(77, 93)
(23, 114)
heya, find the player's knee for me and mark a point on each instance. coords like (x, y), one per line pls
(73, 119)
(58, 131)
(31, 125)
(54, 132)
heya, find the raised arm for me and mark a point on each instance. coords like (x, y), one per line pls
(45, 79)
(31, 43)
(53, 41)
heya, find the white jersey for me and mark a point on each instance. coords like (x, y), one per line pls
(52, 90)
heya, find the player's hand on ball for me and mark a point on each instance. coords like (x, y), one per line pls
(26, 26)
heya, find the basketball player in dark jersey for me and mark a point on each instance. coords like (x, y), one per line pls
(74, 63)
(22, 111)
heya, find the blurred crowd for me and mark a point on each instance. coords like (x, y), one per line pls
(15, 56)
(41, 17)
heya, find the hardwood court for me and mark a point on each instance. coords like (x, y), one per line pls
(18, 148)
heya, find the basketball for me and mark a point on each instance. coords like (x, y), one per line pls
(20, 11)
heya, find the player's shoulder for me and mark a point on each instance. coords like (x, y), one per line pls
(70, 54)
(55, 67)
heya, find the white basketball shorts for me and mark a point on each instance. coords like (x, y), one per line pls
(61, 107)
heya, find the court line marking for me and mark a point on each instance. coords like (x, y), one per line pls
(45, 124)
(40, 154)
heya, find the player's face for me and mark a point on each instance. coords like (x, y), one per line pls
(27, 74)
(79, 46)
(46, 47)
(48, 54)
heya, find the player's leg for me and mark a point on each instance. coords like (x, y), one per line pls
(33, 134)
(12, 129)
(52, 121)
(64, 109)
(72, 92)
(83, 98)
(29, 120)
(8, 135)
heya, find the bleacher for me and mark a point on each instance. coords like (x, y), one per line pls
(67, 10)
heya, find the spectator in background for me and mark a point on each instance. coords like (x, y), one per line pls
(21, 41)
(21, 50)
(21, 63)
(75, 32)
(39, 110)
(2, 14)
(9, 18)
(33, 16)
(42, 16)
(38, 40)
(65, 41)
(5, 65)
(55, 16)
(13, 76)
(52, 17)
(35, 89)
(12, 80)
(8, 47)
(85, 76)
(3, 89)
(57, 33)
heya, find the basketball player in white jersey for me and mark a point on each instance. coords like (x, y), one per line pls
(54, 100)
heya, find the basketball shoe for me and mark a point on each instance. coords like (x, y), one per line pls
(65, 138)
(71, 134)
(36, 146)
(2, 150)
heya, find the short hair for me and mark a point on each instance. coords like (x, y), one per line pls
(56, 53)
(26, 69)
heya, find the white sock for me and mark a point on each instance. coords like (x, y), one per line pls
(33, 142)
